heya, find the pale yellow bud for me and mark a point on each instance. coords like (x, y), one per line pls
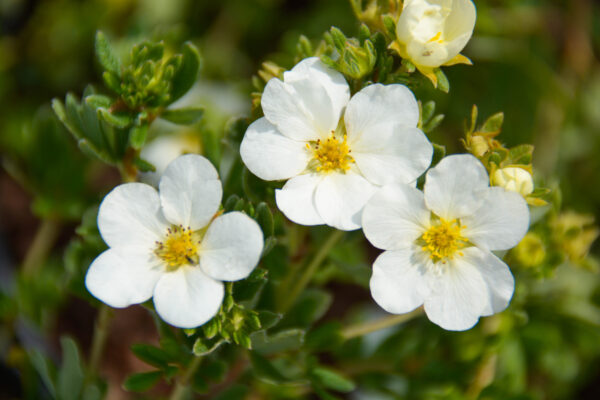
(433, 32)
(514, 179)
(479, 146)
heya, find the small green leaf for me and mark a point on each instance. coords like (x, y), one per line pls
(333, 380)
(143, 165)
(41, 366)
(326, 336)
(390, 25)
(265, 370)
(137, 136)
(70, 375)
(339, 39)
(106, 55)
(493, 124)
(113, 81)
(287, 340)
(203, 347)
(264, 217)
(427, 111)
(443, 83)
(433, 123)
(187, 73)
(183, 116)
(268, 319)
(118, 120)
(439, 152)
(142, 381)
(151, 355)
(98, 101)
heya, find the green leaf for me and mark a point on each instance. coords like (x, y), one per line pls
(439, 152)
(187, 73)
(265, 370)
(143, 165)
(434, 123)
(521, 154)
(493, 124)
(41, 366)
(112, 80)
(98, 101)
(203, 347)
(333, 380)
(287, 340)
(264, 217)
(70, 376)
(390, 25)
(154, 356)
(443, 83)
(142, 381)
(427, 111)
(138, 135)
(268, 319)
(183, 116)
(325, 337)
(339, 39)
(106, 55)
(311, 305)
(118, 120)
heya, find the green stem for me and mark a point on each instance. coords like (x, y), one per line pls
(44, 239)
(323, 252)
(354, 331)
(99, 340)
(181, 385)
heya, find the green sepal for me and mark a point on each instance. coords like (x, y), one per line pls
(183, 116)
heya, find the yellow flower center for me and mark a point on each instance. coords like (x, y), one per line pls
(180, 247)
(444, 239)
(331, 154)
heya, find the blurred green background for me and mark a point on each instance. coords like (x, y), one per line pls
(536, 60)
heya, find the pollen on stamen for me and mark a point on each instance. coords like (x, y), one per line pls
(180, 247)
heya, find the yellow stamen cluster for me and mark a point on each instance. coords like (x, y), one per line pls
(444, 239)
(180, 247)
(332, 154)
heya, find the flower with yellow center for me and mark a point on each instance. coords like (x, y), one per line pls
(438, 244)
(172, 245)
(432, 33)
(333, 150)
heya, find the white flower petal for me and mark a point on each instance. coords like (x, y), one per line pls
(398, 283)
(453, 187)
(395, 217)
(308, 104)
(187, 298)
(190, 191)
(459, 295)
(231, 247)
(392, 153)
(332, 81)
(131, 215)
(459, 25)
(500, 281)
(270, 155)
(376, 105)
(340, 199)
(297, 199)
(122, 276)
(500, 222)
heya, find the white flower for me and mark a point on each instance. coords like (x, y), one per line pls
(431, 33)
(514, 179)
(439, 244)
(333, 166)
(168, 244)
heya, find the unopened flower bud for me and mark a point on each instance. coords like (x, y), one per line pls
(514, 179)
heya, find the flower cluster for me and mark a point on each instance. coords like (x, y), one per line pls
(353, 162)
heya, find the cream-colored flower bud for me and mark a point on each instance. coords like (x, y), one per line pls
(515, 179)
(432, 33)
